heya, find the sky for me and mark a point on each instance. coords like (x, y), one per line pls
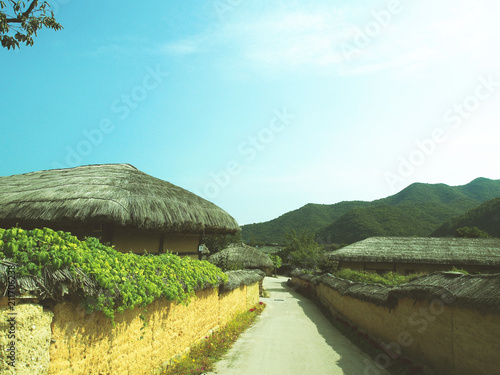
(261, 106)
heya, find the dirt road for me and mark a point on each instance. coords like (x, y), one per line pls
(293, 337)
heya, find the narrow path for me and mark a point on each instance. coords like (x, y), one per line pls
(292, 337)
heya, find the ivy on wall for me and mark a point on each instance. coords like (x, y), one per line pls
(125, 280)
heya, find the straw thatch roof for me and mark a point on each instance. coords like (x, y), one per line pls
(476, 292)
(242, 277)
(109, 193)
(270, 249)
(53, 284)
(242, 255)
(480, 292)
(452, 251)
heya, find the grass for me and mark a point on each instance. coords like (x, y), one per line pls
(389, 278)
(455, 269)
(203, 356)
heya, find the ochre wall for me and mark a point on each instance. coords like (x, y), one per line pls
(81, 340)
(182, 244)
(89, 344)
(476, 342)
(232, 302)
(253, 292)
(126, 240)
(421, 268)
(449, 339)
(32, 339)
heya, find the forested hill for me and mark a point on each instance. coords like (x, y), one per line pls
(485, 217)
(417, 210)
(310, 217)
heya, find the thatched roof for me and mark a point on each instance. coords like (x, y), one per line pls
(270, 249)
(53, 284)
(475, 292)
(452, 251)
(241, 254)
(109, 193)
(242, 277)
(480, 292)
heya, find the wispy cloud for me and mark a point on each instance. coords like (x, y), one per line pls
(182, 47)
(307, 38)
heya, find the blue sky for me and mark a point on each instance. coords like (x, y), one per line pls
(261, 106)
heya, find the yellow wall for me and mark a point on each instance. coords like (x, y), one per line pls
(89, 344)
(356, 266)
(134, 240)
(449, 339)
(177, 243)
(132, 348)
(125, 240)
(253, 292)
(232, 302)
(32, 339)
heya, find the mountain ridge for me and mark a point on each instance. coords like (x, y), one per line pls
(421, 206)
(485, 217)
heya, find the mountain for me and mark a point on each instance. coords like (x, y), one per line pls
(485, 217)
(309, 217)
(417, 210)
(409, 219)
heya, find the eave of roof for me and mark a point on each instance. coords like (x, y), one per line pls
(422, 251)
(108, 193)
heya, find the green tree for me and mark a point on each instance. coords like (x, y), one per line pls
(20, 21)
(473, 232)
(303, 250)
(277, 262)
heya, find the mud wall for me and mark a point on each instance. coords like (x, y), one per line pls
(143, 341)
(448, 339)
(25, 338)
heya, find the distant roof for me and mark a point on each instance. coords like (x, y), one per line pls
(269, 249)
(239, 253)
(468, 251)
(107, 193)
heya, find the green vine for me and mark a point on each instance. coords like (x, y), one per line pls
(127, 280)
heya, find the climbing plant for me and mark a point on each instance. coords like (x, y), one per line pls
(126, 280)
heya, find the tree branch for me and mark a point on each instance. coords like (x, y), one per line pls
(25, 14)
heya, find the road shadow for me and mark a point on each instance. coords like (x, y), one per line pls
(353, 360)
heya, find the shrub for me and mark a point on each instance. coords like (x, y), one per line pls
(389, 278)
(474, 232)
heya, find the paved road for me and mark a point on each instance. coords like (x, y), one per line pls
(292, 337)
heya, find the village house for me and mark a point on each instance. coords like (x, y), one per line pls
(407, 255)
(270, 248)
(117, 203)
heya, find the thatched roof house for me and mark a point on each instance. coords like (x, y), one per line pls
(241, 255)
(270, 249)
(116, 202)
(408, 254)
